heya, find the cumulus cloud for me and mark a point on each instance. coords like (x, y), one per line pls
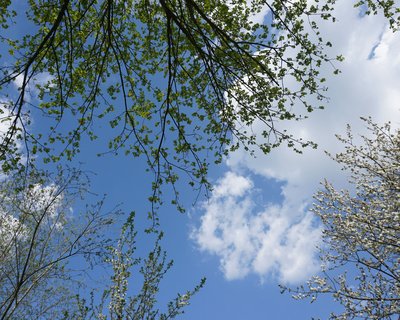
(279, 238)
(274, 239)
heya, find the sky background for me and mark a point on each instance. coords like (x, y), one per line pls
(255, 231)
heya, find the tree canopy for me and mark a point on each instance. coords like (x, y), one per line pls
(177, 80)
(182, 82)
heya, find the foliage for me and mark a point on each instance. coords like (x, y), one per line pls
(115, 302)
(387, 7)
(177, 80)
(181, 82)
(361, 252)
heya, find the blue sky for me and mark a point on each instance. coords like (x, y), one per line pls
(255, 230)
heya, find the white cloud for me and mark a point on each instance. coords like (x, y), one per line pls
(255, 240)
(38, 206)
(43, 200)
(41, 79)
(8, 108)
(9, 225)
(5, 118)
(279, 239)
(233, 186)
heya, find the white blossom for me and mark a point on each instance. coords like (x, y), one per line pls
(362, 230)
